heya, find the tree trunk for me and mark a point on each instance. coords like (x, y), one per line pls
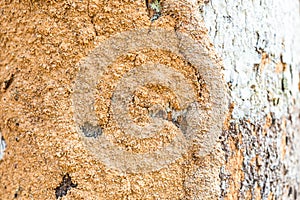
(149, 99)
(259, 45)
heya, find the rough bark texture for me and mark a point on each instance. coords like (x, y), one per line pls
(47, 149)
(259, 45)
(47, 46)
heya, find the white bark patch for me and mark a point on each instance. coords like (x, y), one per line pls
(241, 31)
(258, 41)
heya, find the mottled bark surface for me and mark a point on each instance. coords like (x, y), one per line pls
(259, 45)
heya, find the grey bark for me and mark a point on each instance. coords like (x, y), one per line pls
(259, 45)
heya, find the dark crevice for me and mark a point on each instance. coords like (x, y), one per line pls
(64, 186)
(92, 19)
(94, 26)
(17, 192)
(8, 82)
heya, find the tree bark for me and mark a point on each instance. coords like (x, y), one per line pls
(149, 99)
(258, 42)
